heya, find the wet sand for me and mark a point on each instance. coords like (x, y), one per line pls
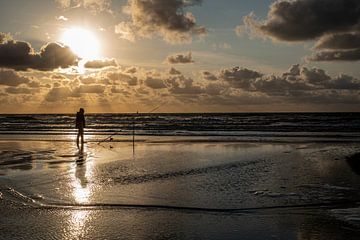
(182, 190)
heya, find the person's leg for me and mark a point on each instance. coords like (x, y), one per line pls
(82, 136)
(77, 138)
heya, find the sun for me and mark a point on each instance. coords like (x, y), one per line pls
(82, 42)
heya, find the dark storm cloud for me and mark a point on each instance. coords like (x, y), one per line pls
(313, 76)
(344, 81)
(339, 41)
(101, 63)
(308, 19)
(335, 24)
(179, 58)
(166, 18)
(54, 55)
(340, 55)
(9, 77)
(19, 55)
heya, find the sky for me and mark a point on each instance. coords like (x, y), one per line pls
(182, 55)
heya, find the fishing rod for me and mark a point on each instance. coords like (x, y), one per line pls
(110, 137)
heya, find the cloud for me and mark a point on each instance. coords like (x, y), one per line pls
(61, 18)
(87, 79)
(173, 71)
(62, 93)
(345, 55)
(208, 76)
(4, 37)
(179, 58)
(313, 76)
(339, 41)
(58, 94)
(239, 77)
(122, 77)
(154, 83)
(334, 24)
(165, 18)
(308, 19)
(183, 85)
(95, 88)
(18, 90)
(343, 81)
(20, 55)
(9, 77)
(34, 84)
(93, 5)
(297, 81)
(119, 90)
(101, 63)
(215, 89)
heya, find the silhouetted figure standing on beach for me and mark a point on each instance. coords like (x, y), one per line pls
(80, 125)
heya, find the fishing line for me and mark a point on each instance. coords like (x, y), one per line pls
(110, 137)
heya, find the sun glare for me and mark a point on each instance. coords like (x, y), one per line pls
(82, 42)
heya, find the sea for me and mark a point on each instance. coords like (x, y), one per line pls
(215, 126)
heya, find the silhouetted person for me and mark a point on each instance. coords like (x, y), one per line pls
(80, 125)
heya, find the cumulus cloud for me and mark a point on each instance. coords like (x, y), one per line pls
(63, 93)
(101, 63)
(34, 84)
(9, 77)
(296, 81)
(18, 90)
(58, 94)
(88, 79)
(165, 18)
(119, 76)
(4, 37)
(179, 58)
(154, 83)
(208, 76)
(173, 71)
(335, 24)
(93, 5)
(183, 85)
(20, 55)
(94, 88)
(239, 77)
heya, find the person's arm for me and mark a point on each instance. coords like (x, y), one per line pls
(84, 121)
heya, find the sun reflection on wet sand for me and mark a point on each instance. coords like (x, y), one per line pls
(82, 173)
(77, 226)
(82, 191)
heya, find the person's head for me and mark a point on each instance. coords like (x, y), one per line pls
(81, 110)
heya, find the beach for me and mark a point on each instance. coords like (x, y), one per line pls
(179, 188)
